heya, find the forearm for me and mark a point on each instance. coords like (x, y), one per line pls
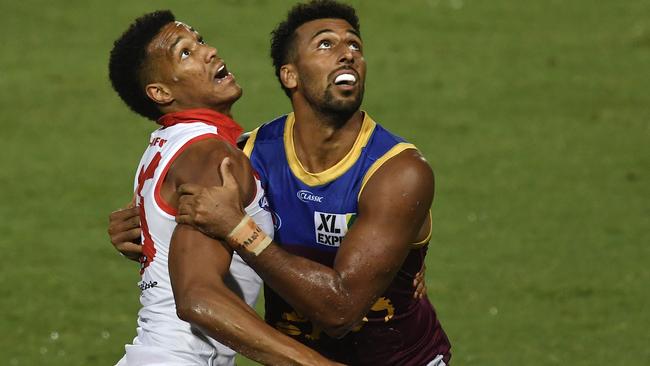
(197, 268)
(224, 317)
(304, 284)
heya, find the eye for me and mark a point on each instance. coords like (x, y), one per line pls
(354, 46)
(201, 40)
(185, 54)
(325, 44)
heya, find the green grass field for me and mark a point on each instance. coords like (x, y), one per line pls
(534, 114)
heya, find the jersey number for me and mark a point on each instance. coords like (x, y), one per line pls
(148, 249)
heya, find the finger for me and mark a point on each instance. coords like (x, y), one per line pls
(189, 188)
(131, 236)
(123, 214)
(116, 227)
(417, 280)
(130, 250)
(129, 247)
(185, 199)
(132, 203)
(420, 291)
(184, 209)
(226, 174)
(183, 219)
(132, 223)
(419, 276)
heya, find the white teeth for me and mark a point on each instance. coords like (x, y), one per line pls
(221, 68)
(345, 78)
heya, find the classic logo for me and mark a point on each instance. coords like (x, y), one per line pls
(331, 228)
(305, 196)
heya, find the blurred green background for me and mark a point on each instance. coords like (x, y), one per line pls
(534, 114)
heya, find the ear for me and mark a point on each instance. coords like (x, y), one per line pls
(289, 76)
(159, 93)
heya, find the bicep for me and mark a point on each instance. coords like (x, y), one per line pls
(196, 260)
(392, 209)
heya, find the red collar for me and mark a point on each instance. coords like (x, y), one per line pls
(227, 128)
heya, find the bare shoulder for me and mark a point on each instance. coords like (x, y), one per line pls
(199, 164)
(396, 199)
(405, 175)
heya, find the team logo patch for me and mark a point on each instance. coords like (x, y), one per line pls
(277, 221)
(306, 196)
(331, 228)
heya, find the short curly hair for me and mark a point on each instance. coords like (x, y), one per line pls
(283, 36)
(128, 58)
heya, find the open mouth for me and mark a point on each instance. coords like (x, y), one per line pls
(345, 79)
(221, 74)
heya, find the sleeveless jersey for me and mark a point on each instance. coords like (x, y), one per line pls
(312, 213)
(163, 338)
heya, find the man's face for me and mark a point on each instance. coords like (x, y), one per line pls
(191, 69)
(331, 70)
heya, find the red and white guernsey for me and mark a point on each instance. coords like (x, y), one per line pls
(162, 338)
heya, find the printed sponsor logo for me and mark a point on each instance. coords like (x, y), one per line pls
(306, 196)
(331, 228)
(147, 285)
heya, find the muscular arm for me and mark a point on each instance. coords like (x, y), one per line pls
(197, 268)
(199, 264)
(392, 209)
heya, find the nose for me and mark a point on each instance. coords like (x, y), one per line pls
(210, 54)
(346, 57)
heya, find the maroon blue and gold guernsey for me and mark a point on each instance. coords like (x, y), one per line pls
(312, 213)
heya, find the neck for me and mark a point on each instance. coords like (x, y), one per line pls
(322, 140)
(224, 109)
(227, 128)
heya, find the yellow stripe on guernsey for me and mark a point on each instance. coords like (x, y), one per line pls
(398, 148)
(328, 175)
(423, 242)
(250, 143)
(377, 164)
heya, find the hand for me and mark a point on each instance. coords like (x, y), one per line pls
(215, 211)
(124, 230)
(419, 283)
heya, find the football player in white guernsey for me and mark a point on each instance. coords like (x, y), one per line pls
(191, 294)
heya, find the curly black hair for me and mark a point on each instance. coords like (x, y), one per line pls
(128, 58)
(283, 35)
